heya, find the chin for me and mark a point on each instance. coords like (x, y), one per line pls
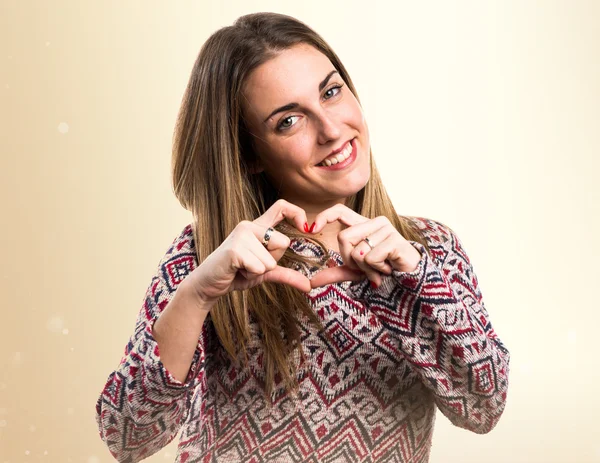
(352, 188)
(363, 178)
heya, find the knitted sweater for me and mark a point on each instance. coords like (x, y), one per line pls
(420, 341)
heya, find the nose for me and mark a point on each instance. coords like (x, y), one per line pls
(328, 128)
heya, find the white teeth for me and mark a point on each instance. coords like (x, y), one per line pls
(337, 158)
(348, 149)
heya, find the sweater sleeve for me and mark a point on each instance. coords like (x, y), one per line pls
(436, 319)
(142, 405)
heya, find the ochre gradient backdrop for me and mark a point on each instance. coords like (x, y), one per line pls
(483, 115)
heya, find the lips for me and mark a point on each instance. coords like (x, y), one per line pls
(334, 152)
(348, 157)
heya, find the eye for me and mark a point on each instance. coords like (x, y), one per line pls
(283, 125)
(331, 92)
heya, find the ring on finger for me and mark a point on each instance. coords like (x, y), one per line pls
(368, 241)
(267, 237)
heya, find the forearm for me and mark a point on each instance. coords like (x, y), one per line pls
(436, 319)
(178, 329)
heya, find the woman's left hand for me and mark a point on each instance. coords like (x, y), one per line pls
(391, 251)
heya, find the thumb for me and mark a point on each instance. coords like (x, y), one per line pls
(336, 275)
(288, 276)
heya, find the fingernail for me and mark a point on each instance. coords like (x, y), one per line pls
(362, 252)
(306, 227)
(312, 227)
(373, 285)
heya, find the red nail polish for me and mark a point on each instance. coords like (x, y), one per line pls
(373, 285)
(312, 227)
(306, 227)
(361, 253)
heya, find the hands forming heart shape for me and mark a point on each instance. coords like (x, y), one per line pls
(388, 249)
(249, 255)
(368, 247)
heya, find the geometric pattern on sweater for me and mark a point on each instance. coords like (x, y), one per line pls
(368, 390)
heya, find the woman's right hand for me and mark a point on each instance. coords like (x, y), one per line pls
(242, 261)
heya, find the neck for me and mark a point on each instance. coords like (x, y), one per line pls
(329, 238)
(331, 230)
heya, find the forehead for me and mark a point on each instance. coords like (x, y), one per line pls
(291, 76)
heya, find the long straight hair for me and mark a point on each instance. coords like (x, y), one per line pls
(212, 178)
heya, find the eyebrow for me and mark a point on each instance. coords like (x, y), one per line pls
(289, 106)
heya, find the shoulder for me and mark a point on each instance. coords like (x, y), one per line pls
(444, 242)
(180, 258)
(184, 241)
(434, 231)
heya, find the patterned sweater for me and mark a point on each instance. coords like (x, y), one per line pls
(420, 341)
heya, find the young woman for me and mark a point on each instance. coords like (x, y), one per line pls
(298, 317)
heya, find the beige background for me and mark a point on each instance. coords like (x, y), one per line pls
(484, 115)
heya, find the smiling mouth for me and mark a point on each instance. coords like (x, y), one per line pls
(338, 157)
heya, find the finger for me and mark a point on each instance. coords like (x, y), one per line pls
(289, 277)
(372, 274)
(257, 261)
(250, 265)
(339, 212)
(277, 244)
(281, 274)
(351, 238)
(379, 225)
(395, 250)
(283, 210)
(375, 261)
(376, 257)
(335, 275)
(373, 265)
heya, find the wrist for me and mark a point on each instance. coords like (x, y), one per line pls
(195, 298)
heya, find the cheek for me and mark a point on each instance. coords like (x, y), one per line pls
(360, 115)
(294, 151)
(297, 149)
(354, 114)
(361, 124)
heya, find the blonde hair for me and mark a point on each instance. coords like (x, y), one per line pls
(212, 156)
